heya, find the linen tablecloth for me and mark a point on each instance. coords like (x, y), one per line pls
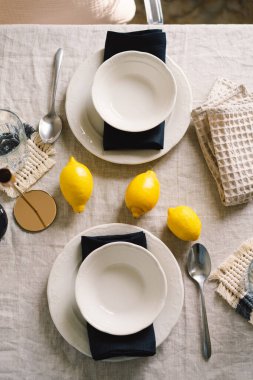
(30, 345)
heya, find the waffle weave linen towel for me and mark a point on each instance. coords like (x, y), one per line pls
(224, 126)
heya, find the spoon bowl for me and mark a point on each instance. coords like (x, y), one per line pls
(50, 125)
(199, 268)
(199, 263)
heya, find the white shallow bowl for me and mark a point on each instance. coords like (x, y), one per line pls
(120, 288)
(134, 91)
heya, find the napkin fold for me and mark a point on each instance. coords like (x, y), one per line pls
(103, 345)
(232, 280)
(224, 126)
(150, 41)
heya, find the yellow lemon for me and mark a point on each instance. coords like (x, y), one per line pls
(76, 184)
(142, 193)
(184, 223)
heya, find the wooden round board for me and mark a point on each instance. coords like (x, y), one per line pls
(35, 210)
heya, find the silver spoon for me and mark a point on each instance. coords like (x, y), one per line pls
(199, 268)
(50, 125)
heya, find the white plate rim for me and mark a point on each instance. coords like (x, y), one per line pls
(179, 120)
(145, 58)
(111, 228)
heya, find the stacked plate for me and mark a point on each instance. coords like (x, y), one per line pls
(132, 91)
(112, 288)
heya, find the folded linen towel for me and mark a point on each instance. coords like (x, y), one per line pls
(151, 41)
(103, 345)
(232, 278)
(224, 126)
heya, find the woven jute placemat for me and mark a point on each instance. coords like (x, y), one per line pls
(232, 278)
(39, 161)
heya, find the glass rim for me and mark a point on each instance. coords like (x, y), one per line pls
(21, 132)
(13, 113)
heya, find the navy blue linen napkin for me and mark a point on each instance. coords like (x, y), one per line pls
(149, 41)
(103, 345)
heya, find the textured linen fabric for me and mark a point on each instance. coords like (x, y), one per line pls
(232, 278)
(66, 11)
(30, 346)
(102, 345)
(39, 161)
(224, 125)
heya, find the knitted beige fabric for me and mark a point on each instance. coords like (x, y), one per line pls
(232, 279)
(224, 126)
(39, 161)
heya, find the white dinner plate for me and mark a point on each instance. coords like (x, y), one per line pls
(87, 125)
(113, 289)
(134, 91)
(61, 287)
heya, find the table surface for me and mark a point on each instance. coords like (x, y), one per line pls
(30, 345)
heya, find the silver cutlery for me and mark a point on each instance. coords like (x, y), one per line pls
(50, 125)
(199, 268)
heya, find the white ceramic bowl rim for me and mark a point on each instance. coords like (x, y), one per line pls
(97, 315)
(153, 89)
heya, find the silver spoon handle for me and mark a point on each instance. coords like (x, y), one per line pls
(57, 67)
(206, 342)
